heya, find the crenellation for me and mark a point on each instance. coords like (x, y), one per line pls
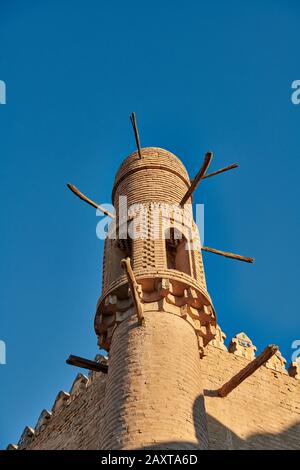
(26, 436)
(61, 400)
(277, 363)
(241, 345)
(79, 385)
(43, 420)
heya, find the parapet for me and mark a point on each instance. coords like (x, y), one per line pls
(221, 363)
(241, 345)
(62, 400)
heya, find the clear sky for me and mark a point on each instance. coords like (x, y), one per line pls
(201, 75)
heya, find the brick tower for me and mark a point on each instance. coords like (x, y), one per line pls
(170, 381)
(153, 392)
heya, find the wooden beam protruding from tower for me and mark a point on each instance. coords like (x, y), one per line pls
(89, 201)
(237, 379)
(222, 170)
(227, 254)
(136, 133)
(86, 364)
(199, 176)
(126, 265)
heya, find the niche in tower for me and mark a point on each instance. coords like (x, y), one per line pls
(177, 252)
(120, 248)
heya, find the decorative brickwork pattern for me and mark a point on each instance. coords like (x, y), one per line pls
(155, 181)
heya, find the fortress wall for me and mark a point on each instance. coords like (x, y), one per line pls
(261, 413)
(77, 424)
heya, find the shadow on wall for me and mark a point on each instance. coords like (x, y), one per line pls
(221, 437)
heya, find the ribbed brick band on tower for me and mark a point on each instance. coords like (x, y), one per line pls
(152, 393)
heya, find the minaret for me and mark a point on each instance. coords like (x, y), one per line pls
(156, 316)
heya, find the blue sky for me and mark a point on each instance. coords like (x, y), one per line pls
(201, 75)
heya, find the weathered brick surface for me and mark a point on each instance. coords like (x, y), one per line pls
(262, 413)
(77, 424)
(152, 385)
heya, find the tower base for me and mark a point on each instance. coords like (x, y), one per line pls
(153, 395)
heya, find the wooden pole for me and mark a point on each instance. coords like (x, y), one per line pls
(198, 178)
(237, 379)
(126, 265)
(87, 364)
(89, 201)
(222, 170)
(136, 133)
(227, 254)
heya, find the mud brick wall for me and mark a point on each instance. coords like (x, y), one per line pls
(262, 413)
(76, 425)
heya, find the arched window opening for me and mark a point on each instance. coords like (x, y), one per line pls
(177, 253)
